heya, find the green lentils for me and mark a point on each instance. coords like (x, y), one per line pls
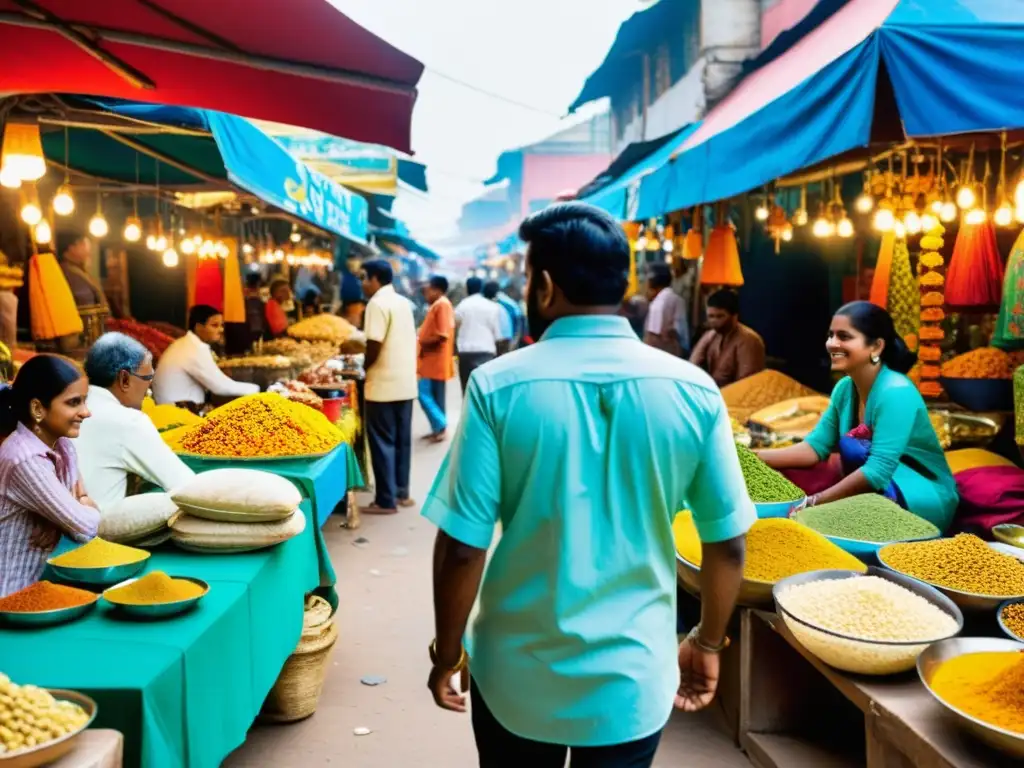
(867, 517)
(764, 484)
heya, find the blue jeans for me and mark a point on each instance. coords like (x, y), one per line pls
(854, 453)
(432, 401)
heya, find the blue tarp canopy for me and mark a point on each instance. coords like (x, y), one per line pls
(200, 149)
(916, 68)
(401, 237)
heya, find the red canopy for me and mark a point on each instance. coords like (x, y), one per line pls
(300, 62)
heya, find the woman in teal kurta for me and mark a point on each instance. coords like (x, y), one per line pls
(876, 402)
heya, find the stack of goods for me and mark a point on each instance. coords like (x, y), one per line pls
(44, 596)
(931, 268)
(983, 363)
(1012, 617)
(11, 278)
(963, 563)
(168, 417)
(236, 510)
(868, 517)
(302, 352)
(792, 418)
(262, 370)
(764, 484)
(975, 276)
(872, 614)
(332, 374)
(30, 717)
(324, 327)
(776, 548)
(753, 393)
(988, 686)
(297, 392)
(258, 426)
(154, 340)
(140, 521)
(155, 588)
(276, 362)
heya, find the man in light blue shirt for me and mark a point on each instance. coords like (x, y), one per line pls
(583, 447)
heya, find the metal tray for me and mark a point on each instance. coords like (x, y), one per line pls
(1002, 625)
(159, 610)
(37, 619)
(98, 577)
(54, 750)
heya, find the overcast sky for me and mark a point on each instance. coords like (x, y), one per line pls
(537, 52)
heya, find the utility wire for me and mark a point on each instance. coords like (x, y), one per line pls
(497, 96)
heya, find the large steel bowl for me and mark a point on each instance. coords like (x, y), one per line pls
(753, 594)
(51, 751)
(1002, 624)
(36, 619)
(157, 610)
(98, 577)
(928, 663)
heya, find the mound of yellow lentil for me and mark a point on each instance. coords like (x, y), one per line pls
(100, 553)
(154, 588)
(964, 563)
(776, 548)
(1013, 618)
(988, 686)
(259, 426)
(168, 417)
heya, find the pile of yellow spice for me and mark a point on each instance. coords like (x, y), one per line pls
(167, 417)
(259, 426)
(156, 588)
(99, 553)
(964, 563)
(987, 685)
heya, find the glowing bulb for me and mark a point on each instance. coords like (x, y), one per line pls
(222, 250)
(43, 233)
(667, 246)
(1018, 194)
(31, 214)
(929, 221)
(787, 234)
(98, 226)
(966, 198)
(247, 249)
(295, 236)
(9, 179)
(279, 254)
(822, 227)
(899, 229)
(845, 227)
(865, 203)
(641, 244)
(151, 242)
(884, 220)
(170, 258)
(160, 244)
(800, 218)
(197, 239)
(948, 212)
(1020, 213)
(761, 214)
(936, 206)
(63, 202)
(1004, 215)
(976, 216)
(912, 222)
(133, 230)
(188, 247)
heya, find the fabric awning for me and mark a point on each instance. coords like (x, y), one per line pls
(392, 237)
(940, 67)
(292, 61)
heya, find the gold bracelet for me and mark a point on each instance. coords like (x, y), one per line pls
(460, 665)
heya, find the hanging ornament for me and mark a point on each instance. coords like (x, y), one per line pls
(22, 154)
(722, 259)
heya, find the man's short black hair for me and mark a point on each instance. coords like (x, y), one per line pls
(583, 249)
(379, 269)
(66, 240)
(253, 280)
(201, 314)
(659, 275)
(491, 289)
(725, 300)
(439, 283)
(474, 285)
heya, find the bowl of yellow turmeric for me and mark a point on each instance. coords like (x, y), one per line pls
(98, 563)
(156, 595)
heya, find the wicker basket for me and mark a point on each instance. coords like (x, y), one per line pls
(297, 691)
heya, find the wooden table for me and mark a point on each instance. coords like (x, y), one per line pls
(797, 712)
(99, 748)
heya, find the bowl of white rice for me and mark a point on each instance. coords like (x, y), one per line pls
(874, 623)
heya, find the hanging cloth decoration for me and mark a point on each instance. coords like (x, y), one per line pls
(632, 230)
(722, 259)
(693, 243)
(209, 284)
(1009, 333)
(51, 303)
(904, 296)
(191, 268)
(883, 270)
(234, 298)
(974, 280)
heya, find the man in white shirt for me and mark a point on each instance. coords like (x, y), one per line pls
(666, 315)
(119, 439)
(480, 334)
(391, 387)
(187, 370)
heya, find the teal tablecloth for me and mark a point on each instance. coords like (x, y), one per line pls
(185, 690)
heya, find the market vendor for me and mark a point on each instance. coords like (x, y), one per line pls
(729, 351)
(877, 421)
(119, 439)
(41, 496)
(75, 261)
(278, 307)
(187, 372)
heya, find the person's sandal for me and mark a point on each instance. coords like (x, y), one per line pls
(407, 502)
(373, 509)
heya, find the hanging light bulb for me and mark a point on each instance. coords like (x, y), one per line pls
(865, 203)
(976, 216)
(787, 233)
(43, 232)
(822, 227)
(295, 236)
(247, 249)
(949, 211)
(965, 198)
(641, 243)
(761, 212)
(9, 179)
(936, 206)
(1003, 216)
(31, 214)
(845, 227)
(170, 258)
(188, 247)
(800, 218)
(133, 229)
(63, 202)
(1018, 194)
(279, 255)
(160, 244)
(912, 223)
(899, 229)
(929, 221)
(98, 226)
(884, 220)
(23, 151)
(197, 239)
(151, 242)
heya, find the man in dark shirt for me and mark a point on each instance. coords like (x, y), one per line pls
(75, 262)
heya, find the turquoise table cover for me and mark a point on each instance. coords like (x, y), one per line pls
(185, 690)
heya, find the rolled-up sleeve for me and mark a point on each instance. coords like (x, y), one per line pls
(465, 499)
(717, 496)
(824, 438)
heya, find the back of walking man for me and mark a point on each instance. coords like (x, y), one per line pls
(583, 446)
(480, 336)
(390, 387)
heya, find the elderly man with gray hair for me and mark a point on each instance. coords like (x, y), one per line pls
(119, 439)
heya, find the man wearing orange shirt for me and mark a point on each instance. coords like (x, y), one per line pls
(436, 365)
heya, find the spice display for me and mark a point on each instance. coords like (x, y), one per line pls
(45, 596)
(792, 417)
(983, 363)
(943, 429)
(972, 458)
(272, 362)
(932, 242)
(306, 352)
(264, 425)
(297, 392)
(1013, 618)
(154, 340)
(100, 553)
(753, 393)
(931, 259)
(323, 327)
(764, 484)
(776, 548)
(31, 717)
(988, 686)
(867, 517)
(154, 588)
(964, 563)
(930, 388)
(167, 417)
(336, 372)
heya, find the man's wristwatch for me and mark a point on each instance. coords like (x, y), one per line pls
(459, 665)
(694, 639)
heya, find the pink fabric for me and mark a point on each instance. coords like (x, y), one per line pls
(818, 478)
(989, 496)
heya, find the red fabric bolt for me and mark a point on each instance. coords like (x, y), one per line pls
(974, 280)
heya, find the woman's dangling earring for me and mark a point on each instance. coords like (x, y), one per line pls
(875, 359)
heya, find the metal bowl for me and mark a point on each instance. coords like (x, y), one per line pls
(1002, 625)
(159, 610)
(753, 594)
(869, 549)
(1011, 534)
(856, 654)
(37, 619)
(99, 577)
(51, 751)
(768, 509)
(969, 601)
(928, 663)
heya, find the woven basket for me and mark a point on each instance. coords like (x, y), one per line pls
(297, 691)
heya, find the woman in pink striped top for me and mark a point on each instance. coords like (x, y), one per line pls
(41, 496)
